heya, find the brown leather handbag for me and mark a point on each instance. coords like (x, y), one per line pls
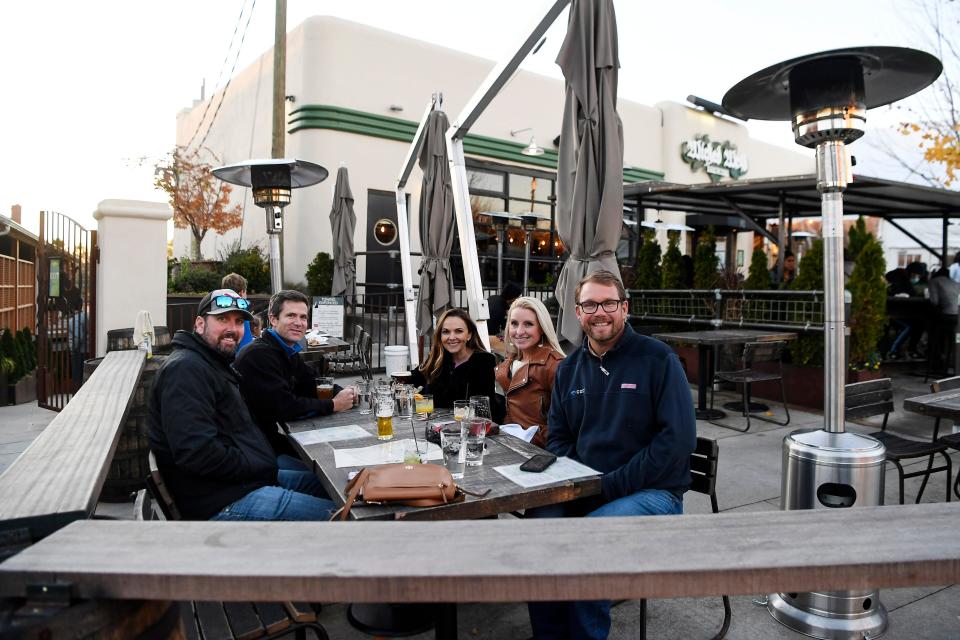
(414, 485)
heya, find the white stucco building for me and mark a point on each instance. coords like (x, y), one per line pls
(355, 96)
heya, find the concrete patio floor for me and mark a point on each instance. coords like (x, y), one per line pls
(748, 480)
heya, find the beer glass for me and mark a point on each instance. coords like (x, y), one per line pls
(324, 388)
(384, 412)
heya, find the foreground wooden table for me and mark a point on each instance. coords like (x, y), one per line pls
(565, 559)
(705, 340)
(504, 496)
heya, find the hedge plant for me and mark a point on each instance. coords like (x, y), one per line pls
(868, 288)
(320, 275)
(807, 349)
(647, 275)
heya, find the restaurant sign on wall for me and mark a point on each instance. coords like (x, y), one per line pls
(717, 159)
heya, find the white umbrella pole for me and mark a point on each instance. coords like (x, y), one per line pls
(409, 299)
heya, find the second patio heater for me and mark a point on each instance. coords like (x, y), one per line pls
(271, 181)
(825, 96)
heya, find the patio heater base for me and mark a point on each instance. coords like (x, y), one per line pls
(853, 618)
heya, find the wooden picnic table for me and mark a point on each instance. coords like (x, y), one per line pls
(705, 340)
(502, 449)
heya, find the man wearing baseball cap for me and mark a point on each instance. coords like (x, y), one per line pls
(216, 462)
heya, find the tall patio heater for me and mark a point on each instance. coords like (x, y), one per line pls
(272, 181)
(825, 96)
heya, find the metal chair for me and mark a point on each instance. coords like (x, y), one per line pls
(952, 441)
(874, 398)
(703, 472)
(358, 360)
(754, 352)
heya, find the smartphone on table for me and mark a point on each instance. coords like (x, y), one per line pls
(538, 463)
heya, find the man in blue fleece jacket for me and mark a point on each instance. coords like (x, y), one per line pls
(621, 405)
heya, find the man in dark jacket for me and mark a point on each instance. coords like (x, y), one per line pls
(621, 405)
(276, 383)
(215, 460)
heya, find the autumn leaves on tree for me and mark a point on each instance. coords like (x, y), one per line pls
(199, 199)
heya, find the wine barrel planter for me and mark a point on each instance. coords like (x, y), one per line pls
(130, 465)
(122, 340)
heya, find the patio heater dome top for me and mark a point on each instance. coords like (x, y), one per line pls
(287, 172)
(825, 94)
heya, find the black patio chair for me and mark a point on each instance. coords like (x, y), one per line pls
(357, 361)
(875, 398)
(952, 440)
(703, 472)
(754, 352)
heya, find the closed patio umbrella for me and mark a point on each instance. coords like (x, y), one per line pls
(436, 224)
(590, 163)
(343, 221)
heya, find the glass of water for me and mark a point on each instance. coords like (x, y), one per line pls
(365, 396)
(452, 443)
(476, 432)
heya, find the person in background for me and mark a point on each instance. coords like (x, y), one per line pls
(789, 272)
(944, 294)
(526, 376)
(458, 366)
(276, 383)
(621, 405)
(214, 459)
(238, 283)
(955, 268)
(256, 325)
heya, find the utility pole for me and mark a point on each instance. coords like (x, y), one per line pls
(279, 132)
(279, 80)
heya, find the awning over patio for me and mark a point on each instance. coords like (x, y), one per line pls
(760, 199)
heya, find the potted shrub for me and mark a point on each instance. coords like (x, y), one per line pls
(868, 315)
(23, 387)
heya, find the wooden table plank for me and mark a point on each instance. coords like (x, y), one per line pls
(943, 404)
(58, 478)
(509, 561)
(502, 449)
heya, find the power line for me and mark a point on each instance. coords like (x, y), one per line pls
(223, 66)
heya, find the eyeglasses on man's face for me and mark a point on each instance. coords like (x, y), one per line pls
(589, 306)
(226, 302)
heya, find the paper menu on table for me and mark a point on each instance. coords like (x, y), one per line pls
(562, 469)
(330, 434)
(384, 453)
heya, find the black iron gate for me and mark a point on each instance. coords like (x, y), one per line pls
(66, 307)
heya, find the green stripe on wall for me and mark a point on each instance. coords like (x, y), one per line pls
(319, 116)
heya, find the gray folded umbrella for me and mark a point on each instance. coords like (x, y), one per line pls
(590, 164)
(436, 224)
(343, 221)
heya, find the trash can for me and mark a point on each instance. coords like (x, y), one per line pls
(397, 357)
(831, 470)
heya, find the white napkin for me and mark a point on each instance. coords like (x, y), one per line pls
(143, 335)
(519, 432)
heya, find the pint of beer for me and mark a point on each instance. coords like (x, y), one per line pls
(384, 413)
(324, 388)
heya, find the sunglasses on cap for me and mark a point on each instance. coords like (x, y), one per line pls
(227, 302)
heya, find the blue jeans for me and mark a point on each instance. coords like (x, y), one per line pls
(297, 496)
(590, 619)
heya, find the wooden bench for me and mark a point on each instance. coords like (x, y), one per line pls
(58, 478)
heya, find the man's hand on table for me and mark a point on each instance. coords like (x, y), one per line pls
(344, 400)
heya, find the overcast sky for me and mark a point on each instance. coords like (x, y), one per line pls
(92, 89)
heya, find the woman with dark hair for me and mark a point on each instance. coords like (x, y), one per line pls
(458, 365)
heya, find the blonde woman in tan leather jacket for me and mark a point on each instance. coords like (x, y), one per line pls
(526, 376)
